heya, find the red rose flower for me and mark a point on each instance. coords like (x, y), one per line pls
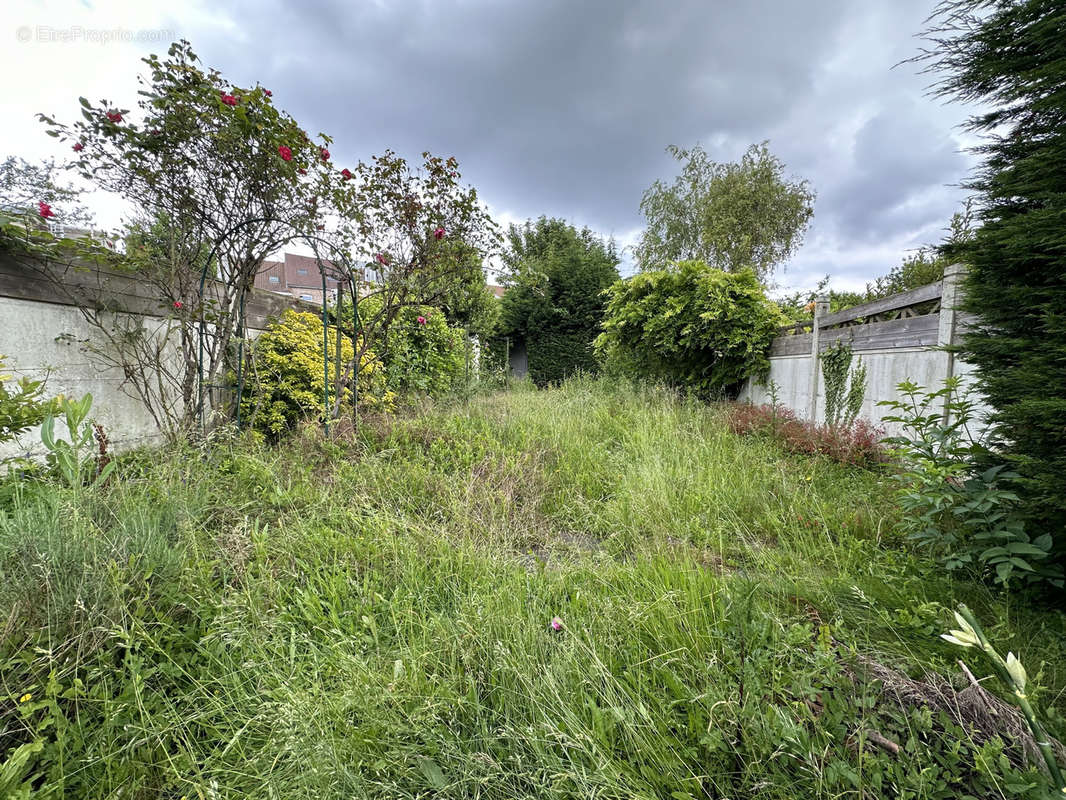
(79, 147)
(178, 305)
(285, 153)
(302, 171)
(381, 258)
(268, 93)
(114, 116)
(156, 132)
(229, 99)
(438, 234)
(45, 210)
(346, 173)
(325, 154)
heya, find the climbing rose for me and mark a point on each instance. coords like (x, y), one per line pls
(285, 153)
(178, 304)
(421, 320)
(229, 99)
(114, 116)
(45, 210)
(556, 624)
(79, 147)
(346, 173)
(438, 234)
(325, 154)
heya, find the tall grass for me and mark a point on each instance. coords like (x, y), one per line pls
(370, 618)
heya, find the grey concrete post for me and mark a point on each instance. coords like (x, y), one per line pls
(947, 332)
(821, 308)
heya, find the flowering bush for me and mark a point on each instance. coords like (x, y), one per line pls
(858, 443)
(423, 353)
(285, 375)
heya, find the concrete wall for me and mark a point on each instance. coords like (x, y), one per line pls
(906, 348)
(42, 336)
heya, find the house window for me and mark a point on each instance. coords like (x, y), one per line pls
(301, 272)
(274, 279)
(306, 297)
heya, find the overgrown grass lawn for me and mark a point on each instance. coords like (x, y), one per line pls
(372, 617)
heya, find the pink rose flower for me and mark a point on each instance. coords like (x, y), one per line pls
(324, 153)
(438, 234)
(381, 259)
(268, 93)
(285, 153)
(421, 320)
(178, 305)
(114, 116)
(556, 624)
(79, 147)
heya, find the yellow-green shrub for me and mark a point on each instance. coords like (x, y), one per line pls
(285, 375)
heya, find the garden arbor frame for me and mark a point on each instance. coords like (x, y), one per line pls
(314, 242)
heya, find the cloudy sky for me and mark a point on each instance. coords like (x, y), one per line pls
(555, 107)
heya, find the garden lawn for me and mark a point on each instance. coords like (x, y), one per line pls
(371, 617)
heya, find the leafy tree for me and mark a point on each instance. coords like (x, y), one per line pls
(732, 216)
(1010, 57)
(466, 300)
(555, 303)
(411, 236)
(228, 172)
(692, 326)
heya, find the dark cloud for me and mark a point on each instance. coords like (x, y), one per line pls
(563, 108)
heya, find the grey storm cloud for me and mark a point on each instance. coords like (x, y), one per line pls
(565, 108)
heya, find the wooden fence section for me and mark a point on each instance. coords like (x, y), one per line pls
(902, 337)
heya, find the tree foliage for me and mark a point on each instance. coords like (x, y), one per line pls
(24, 185)
(1010, 57)
(416, 236)
(208, 166)
(556, 276)
(425, 354)
(731, 215)
(692, 326)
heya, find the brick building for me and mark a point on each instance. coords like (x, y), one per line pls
(299, 277)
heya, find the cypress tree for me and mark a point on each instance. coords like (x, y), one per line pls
(1009, 56)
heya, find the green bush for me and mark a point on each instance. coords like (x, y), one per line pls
(285, 375)
(555, 303)
(22, 408)
(960, 512)
(424, 355)
(691, 326)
